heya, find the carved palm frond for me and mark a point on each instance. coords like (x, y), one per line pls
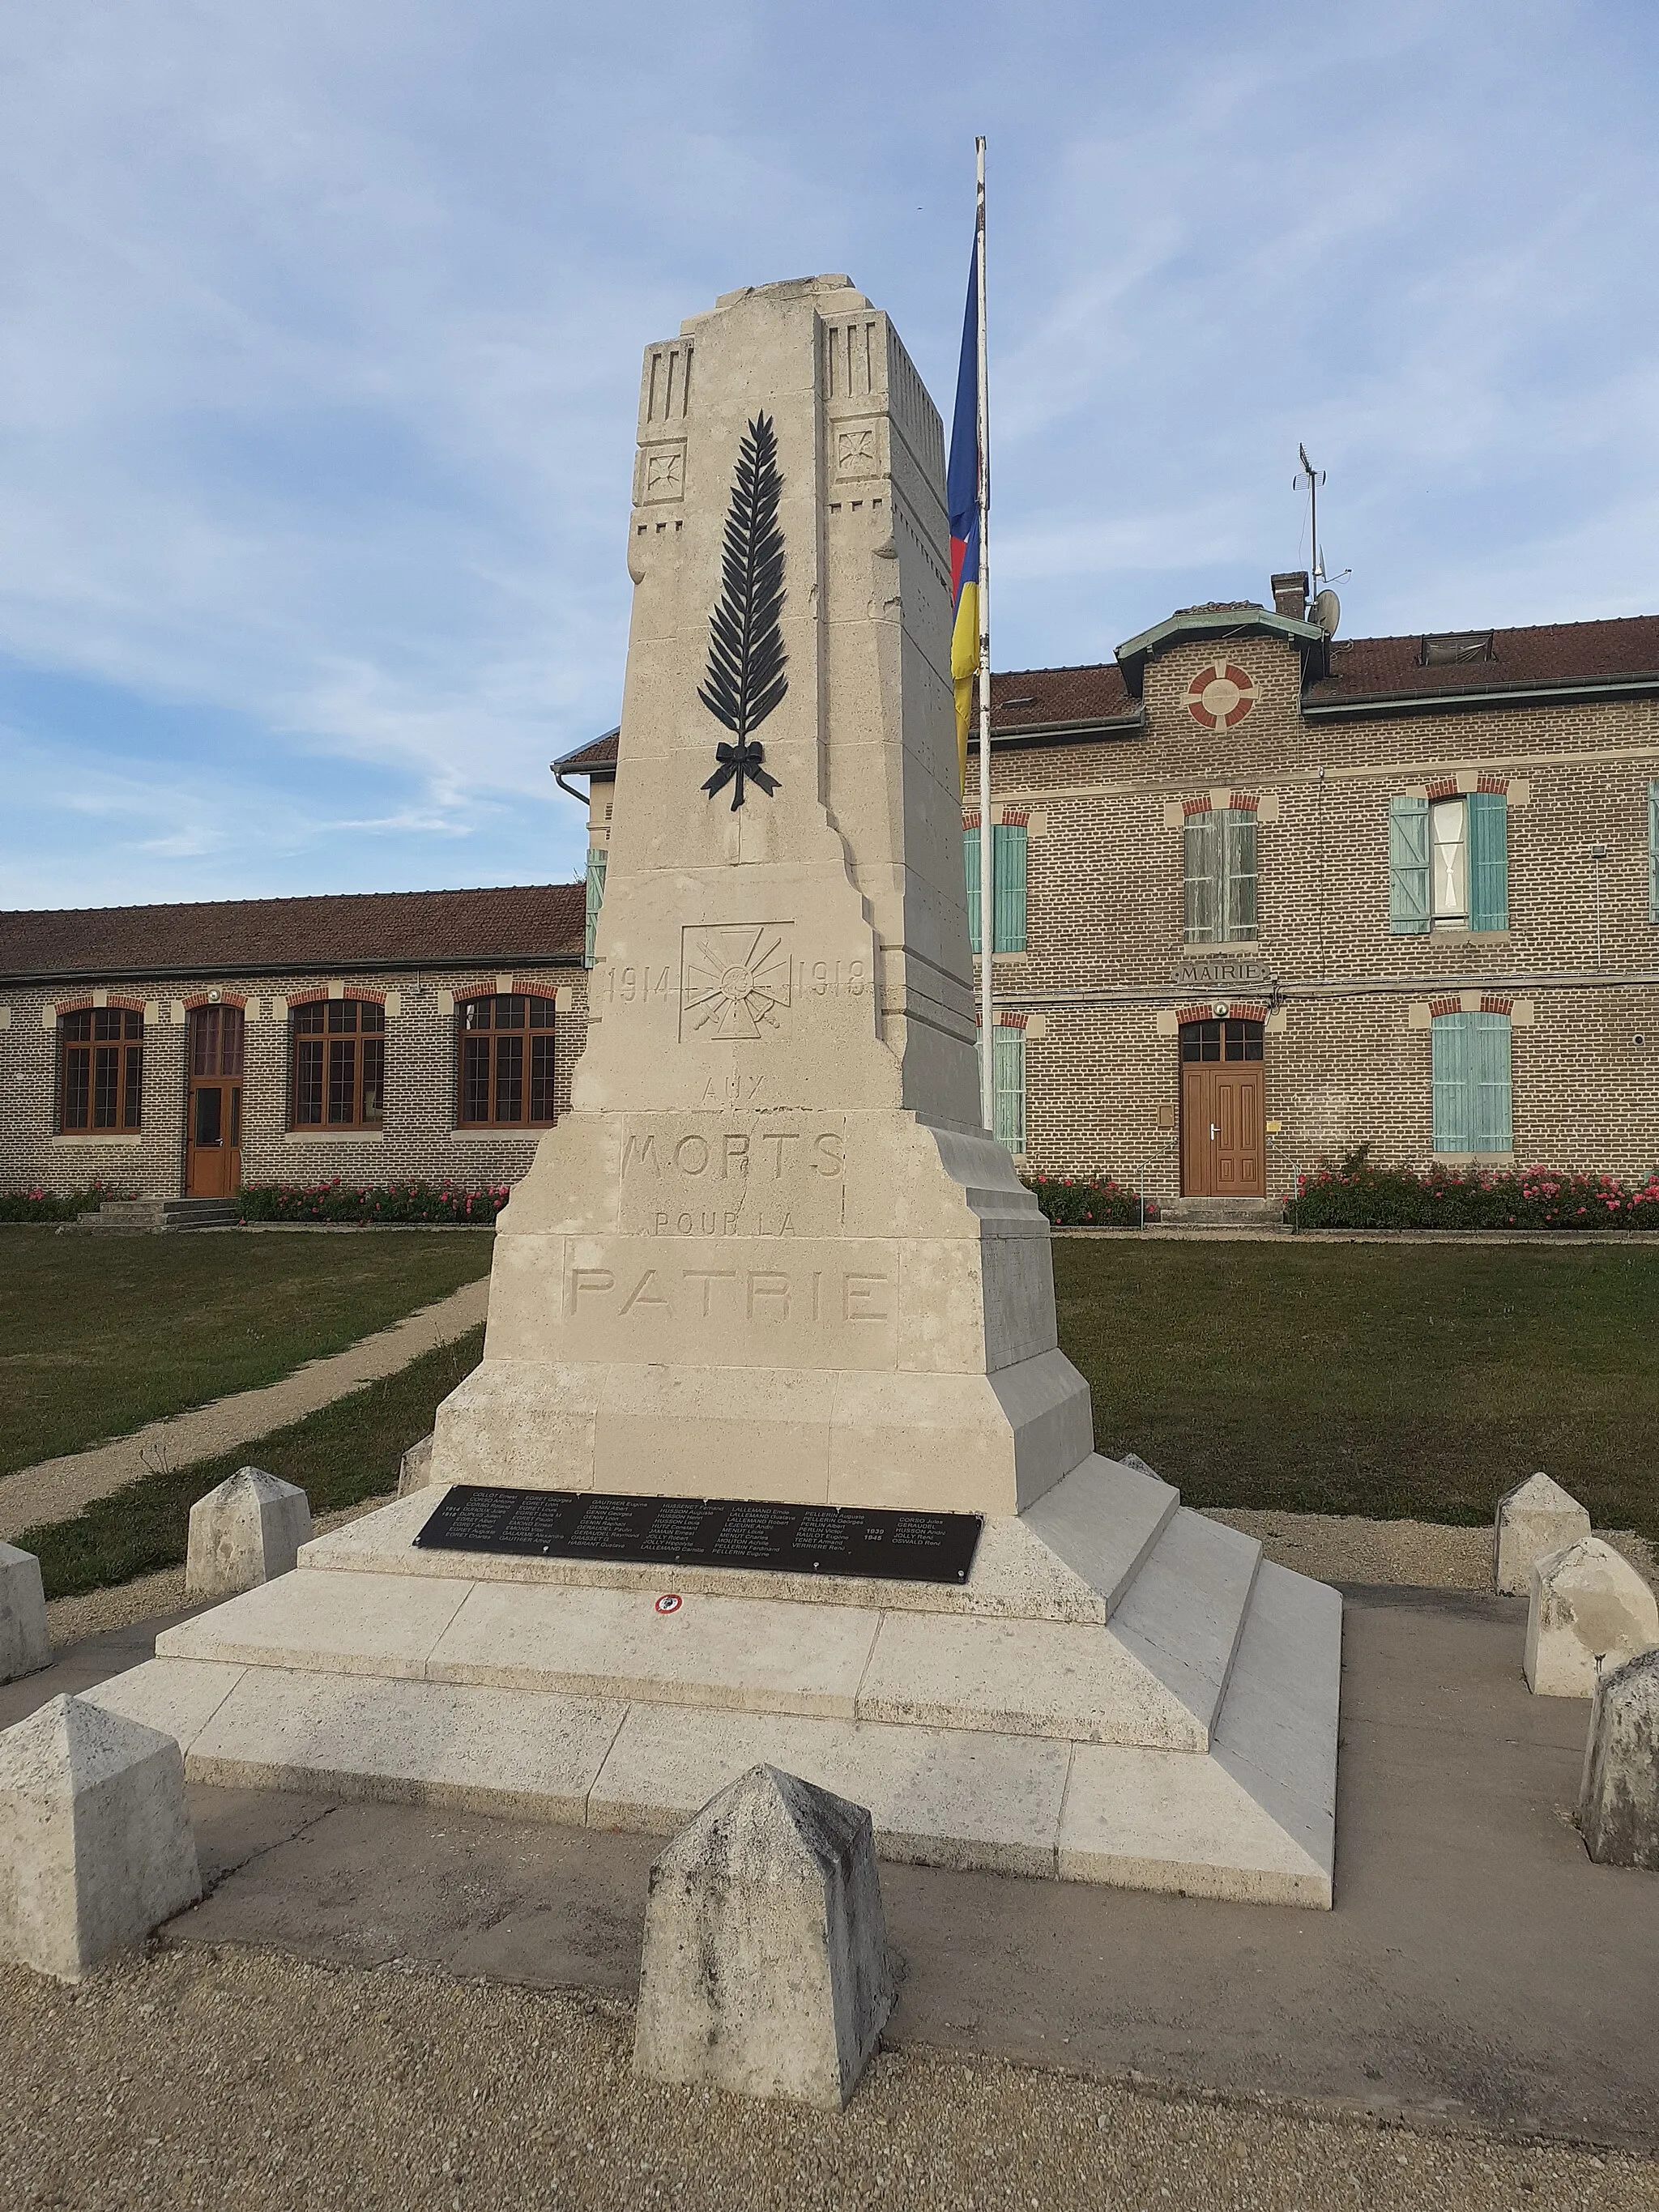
(746, 658)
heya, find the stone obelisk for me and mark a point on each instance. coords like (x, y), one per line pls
(770, 1252)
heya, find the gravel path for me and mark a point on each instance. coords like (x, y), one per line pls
(240, 2082)
(1344, 1548)
(57, 1488)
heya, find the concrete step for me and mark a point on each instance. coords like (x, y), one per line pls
(1221, 1212)
(1188, 1742)
(1137, 1819)
(1070, 1557)
(130, 1217)
(1152, 1675)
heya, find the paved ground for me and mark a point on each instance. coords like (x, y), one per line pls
(1477, 1971)
(57, 1488)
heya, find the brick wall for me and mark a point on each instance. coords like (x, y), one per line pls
(418, 1140)
(1343, 1062)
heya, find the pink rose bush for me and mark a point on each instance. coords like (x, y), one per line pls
(444, 1204)
(1357, 1194)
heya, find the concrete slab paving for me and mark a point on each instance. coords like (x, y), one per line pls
(1478, 1969)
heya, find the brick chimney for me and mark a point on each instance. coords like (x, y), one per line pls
(1290, 594)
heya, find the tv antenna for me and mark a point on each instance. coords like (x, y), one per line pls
(1313, 477)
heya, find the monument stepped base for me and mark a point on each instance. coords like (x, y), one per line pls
(1123, 1692)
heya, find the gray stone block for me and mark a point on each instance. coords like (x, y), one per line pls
(1619, 1802)
(1534, 1519)
(25, 1647)
(95, 1845)
(247, 1531)
(765, 1966)
(414, 1468)
(1589, 1611)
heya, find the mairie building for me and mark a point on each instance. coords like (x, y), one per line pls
(1260, 895)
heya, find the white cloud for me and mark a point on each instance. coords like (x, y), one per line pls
(318, 371)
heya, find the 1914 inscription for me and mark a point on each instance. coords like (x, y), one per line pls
(870, 1542)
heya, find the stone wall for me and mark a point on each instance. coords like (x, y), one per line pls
(419, 1138)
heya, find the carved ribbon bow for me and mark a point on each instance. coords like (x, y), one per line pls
(739, 762)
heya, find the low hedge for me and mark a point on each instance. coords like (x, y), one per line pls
(38, 1205)
(1356, 1195)
(1087, 1201)
(392, 1203)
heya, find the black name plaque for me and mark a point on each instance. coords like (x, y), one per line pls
(706, 1532)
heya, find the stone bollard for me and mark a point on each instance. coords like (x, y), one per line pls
(247, 1531)
(1619, 1802)
(414, 1468)
(25, 1647)
(1534, 1519)
(765, 1967)
(95, 1847)
(1588, 1603)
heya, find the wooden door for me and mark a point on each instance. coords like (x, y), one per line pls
(213, 1126)
(1223, 1111)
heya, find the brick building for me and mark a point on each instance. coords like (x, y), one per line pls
(1262, 895)
(182, 1050)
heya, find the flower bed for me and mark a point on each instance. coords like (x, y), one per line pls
(1087, 1201)
(441, 1202)
(1355, 1194)
(38, 1205)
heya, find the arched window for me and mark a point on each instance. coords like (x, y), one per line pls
(504, 1062)
(100, 1070)
(338, 1064)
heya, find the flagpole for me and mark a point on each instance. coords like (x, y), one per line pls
(987, 852)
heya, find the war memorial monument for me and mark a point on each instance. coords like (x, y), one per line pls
(773, 1453)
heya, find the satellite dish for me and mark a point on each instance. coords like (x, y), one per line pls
(1327, 611)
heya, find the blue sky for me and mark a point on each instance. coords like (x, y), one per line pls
(322, 329)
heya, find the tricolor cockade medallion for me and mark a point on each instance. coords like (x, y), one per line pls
(746, 678)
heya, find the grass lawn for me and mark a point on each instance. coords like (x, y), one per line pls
(347, 1452)
(100, 1334)
(1397, 1380)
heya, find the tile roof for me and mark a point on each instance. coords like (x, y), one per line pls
(599, 753)
(1027, 698)
(1550, 655)
(348, 930)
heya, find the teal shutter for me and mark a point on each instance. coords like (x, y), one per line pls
(1452, 1132)
(595, 898)
(1653, 852)
(971, 865)
(1237, 901)
(1008, 1075)
(1489, 861)
(1474, 1110)
(1408, 867)
(1200, 849)
(1008, 860)
(1491, 1109)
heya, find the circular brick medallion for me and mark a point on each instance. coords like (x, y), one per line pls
(1220, 695)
